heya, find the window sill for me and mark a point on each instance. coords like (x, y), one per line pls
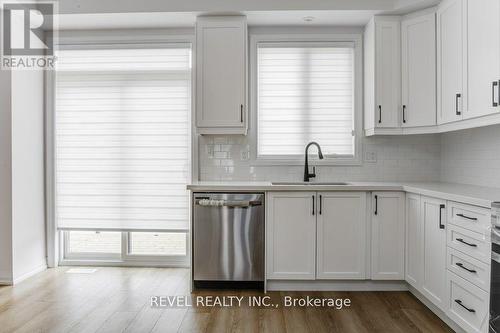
(356, 161)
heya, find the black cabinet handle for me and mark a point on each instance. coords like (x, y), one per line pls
(404, 118)
(441, 225)
(313, 204)
(459, 302)
(241, 112)
(493, 85)
(457, 96)
(459, 264)
(467, 217)
(376, 205)
(380, 114)
(461, 240)
(320, 203)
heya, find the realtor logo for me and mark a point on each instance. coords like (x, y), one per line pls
(28, 35)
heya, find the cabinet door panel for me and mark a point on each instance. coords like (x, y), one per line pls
(414, 241)
(291, 235)
(451, 61)
(341, 235)
(221, 72)
(419, 71)
(388, 244)
(434, 281)
(483, 29)
(388, 78)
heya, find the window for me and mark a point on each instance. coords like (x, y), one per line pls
(305, 91)
(122, 146)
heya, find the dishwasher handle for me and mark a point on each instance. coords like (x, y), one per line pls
(227, 203)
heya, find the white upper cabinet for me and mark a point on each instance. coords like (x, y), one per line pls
(221, 84)
(452, 60)
(382, 72)
(291, 235)
(388, 237)
(341, 235)
(483, 29)
(418, 57)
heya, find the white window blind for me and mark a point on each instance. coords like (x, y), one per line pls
(122, 138)
(305, 93)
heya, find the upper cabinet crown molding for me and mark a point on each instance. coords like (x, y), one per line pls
(221, 70)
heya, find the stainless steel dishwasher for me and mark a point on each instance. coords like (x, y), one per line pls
(228, 240)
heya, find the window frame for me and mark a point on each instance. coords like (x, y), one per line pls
(125, 257)
(56, 254)
(354, 40)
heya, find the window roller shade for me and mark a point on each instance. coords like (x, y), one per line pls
(305, 93)
(122, 138)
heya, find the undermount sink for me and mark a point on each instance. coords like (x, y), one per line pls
(306, 183)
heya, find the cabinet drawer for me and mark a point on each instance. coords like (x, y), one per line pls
(473, 218)
(468, 268)
(467, 305)
(471, 243)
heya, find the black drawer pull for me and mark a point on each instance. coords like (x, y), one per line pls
(457, 96)
(380, 114)
(467, 217)
(459, 302)
(313, 205)
(459, 264)
(404, 118)
(493, 102)
(464, 242)
(376, 205)
(441, 225)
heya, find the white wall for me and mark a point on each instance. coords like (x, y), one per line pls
(399, 158)
(28, 211)
(5, 180)
(472, 156)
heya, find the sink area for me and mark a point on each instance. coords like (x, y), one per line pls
(316, 183)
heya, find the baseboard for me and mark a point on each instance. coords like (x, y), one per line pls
(5, 281)
(25, 276)
(437, 311)
(337, 285)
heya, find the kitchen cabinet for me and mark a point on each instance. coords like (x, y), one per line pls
(341, 235)
(433, 215)
(418, 61)
(414, 242)
(291, 235)
(426, 247)
(483, 45)
(452, 60)
(388, 237)
(221, 69)
(382, 72)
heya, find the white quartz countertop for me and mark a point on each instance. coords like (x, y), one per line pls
(470, 194)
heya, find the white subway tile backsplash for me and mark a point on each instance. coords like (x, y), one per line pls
(398, 158)
(471, 156)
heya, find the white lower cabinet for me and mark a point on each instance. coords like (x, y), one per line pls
(341, 235)
(426, 247)
(291, 235)
(316, 235)
(388, 237)
(433, 214)
(467, 304)
(414, 262)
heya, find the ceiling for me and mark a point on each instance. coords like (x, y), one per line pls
(130, 14)
(182, 19)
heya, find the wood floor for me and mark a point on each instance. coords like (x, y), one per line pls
(118, 300)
